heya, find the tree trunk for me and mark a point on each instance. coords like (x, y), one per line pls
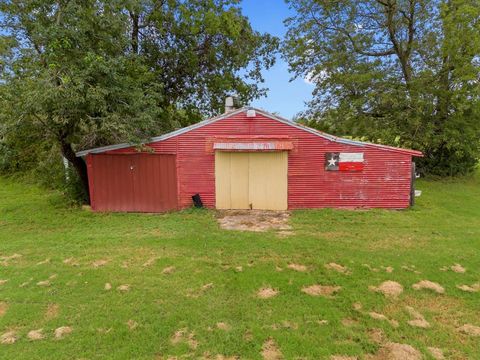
(135, 31)
(79, 165)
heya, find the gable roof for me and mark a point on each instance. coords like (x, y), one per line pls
(261, 112)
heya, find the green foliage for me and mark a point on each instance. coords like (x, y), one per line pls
(198, 49)
(77, 75)
(403, 73)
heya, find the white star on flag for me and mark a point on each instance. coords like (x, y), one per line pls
(331, 161)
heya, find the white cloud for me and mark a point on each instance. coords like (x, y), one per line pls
(312, 78)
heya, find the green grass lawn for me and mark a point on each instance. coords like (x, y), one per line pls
(207, 287)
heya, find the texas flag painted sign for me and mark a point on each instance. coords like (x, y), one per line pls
(343, 161)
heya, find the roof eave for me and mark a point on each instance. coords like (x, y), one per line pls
(264, 113)
(340, 139)
(158, 138)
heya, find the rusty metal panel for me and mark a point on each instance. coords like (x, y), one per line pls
(136, 182)
(254, 145)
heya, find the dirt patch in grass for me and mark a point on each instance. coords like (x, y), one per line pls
(436, 353)
(270, 350)
(267, 293)
(297, 267)
(46, 261)
(26, 283)
(470, 288)
(107, 286)
(8, 337)
(184, 336)
(376, 335)
(99, 263)
(395, 351)
(378, 316)
(391, 289)
(200, 292)
(443, 311)
(62, 331)
(52, 311)
(3, 281)
(337, 267)
(132, 324)
(10, 257)
(321, 290)
(458, 268)
(223, 326)
(418, 319)
(124, 288)
(411, 268)
(469, 329)
(370, 268)
(71, 261)
(207, 286)
(5, 260)
(429, 285)
(35, 334)
(168, 270)
(104, 330)
(285, 324)
(254, 220)
(343, 357)
(3, 308)
(248, 336)
(149, 262)
(357, 306)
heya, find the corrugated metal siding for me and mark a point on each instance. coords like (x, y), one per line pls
(384, 182)
(140, 182)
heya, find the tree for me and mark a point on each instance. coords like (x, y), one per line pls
(393, 71)
(68, 76)
(199, 50)
(80, 74)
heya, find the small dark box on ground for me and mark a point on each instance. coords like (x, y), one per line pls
(197, 201)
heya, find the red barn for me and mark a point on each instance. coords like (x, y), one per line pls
(249, 159)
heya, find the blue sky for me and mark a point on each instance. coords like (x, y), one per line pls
(284, 97)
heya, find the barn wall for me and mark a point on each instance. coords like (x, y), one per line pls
(137, 182)
(384, 182)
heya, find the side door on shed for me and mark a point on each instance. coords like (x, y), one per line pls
(141, 182)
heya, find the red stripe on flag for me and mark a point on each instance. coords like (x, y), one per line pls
(350, 166)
